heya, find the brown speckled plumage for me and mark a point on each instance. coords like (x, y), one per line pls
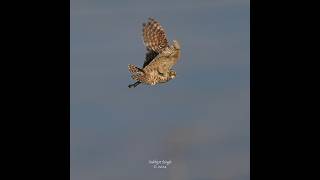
(160, 57)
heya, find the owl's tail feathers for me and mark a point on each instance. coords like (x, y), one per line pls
(137, 73)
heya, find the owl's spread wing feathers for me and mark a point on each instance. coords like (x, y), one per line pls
(154, 36)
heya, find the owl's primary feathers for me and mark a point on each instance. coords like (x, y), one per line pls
(160, 57)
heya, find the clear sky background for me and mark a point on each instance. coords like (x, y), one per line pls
(199, 120)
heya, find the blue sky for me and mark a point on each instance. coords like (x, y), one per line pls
(200, 120)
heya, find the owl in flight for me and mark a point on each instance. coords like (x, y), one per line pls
(160, 56)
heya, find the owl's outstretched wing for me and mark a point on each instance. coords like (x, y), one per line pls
(154, 36)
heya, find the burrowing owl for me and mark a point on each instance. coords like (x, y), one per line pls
(160, 57)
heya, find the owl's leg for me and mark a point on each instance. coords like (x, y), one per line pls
(134, 84)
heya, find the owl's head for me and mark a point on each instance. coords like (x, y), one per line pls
(172, 74)
(176, 44)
